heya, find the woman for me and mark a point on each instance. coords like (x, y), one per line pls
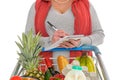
(71, 17)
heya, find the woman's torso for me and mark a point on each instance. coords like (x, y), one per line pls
(63, 21)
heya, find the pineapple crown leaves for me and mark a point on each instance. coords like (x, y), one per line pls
(29, 47)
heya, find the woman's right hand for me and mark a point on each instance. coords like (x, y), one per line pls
(58, 34)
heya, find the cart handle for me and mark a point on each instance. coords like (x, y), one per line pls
(81, 48)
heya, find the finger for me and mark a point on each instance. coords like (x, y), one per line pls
(62, 33)
(74, 42)
(57, 34)
(68, 44)
(63, 46)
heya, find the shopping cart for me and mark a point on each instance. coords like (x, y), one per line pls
(101, 71)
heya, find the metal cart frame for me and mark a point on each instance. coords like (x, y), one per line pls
(101, 70)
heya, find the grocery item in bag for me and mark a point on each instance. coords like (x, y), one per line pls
(75, 74)
(69, 67)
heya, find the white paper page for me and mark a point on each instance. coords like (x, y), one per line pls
(56, 44)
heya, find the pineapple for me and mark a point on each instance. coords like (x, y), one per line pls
(30, 47)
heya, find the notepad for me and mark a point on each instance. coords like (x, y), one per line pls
(56, 44)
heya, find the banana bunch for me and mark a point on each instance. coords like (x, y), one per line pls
(87, 61)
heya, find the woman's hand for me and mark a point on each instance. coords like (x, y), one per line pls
(70, 43)
(58, 34)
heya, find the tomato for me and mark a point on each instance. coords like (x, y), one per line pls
(15, 78)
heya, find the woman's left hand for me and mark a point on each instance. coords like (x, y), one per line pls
(70, 43)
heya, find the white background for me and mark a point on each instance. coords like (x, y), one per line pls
(13, 15)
